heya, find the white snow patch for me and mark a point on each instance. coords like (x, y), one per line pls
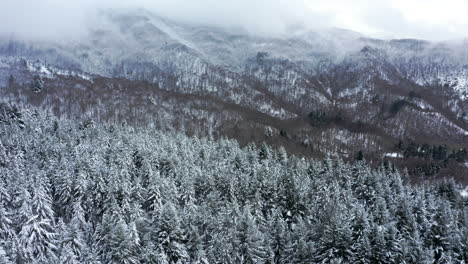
(423, 105)
(350, 92)
(3, 65)
(393, 155)
(464, 192)
(43, 69)
(275, 112)
(51, 71)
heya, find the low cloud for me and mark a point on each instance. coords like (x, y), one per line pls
(428, 19)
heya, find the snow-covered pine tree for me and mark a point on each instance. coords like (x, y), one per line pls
(123, 248)
(37, 236)
(335, 242)
(278, 237)
(4, 259)
(248, 243)
(360, 235)
(170, 238)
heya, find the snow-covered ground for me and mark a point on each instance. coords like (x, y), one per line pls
(457, 81)
(41, 68)
(464, 192)
(51, 72)
(393, 155)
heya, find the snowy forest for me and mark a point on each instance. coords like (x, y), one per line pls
(74, 191)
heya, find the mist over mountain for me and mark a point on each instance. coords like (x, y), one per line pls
(65, 19)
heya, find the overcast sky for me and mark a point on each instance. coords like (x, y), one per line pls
(425, 19)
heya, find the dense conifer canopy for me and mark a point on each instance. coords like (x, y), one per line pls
(101, 193)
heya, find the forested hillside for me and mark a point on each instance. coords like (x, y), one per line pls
(74, 192)
(314, 92)
(317, 93)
